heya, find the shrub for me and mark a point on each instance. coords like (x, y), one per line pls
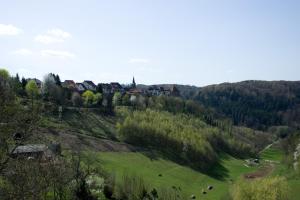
(76, 99)
(273, 188)
(131, 188)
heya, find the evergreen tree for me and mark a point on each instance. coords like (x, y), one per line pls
(57, 80)
(17, 78)
(23, 83)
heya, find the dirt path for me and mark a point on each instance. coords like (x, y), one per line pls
(296, 157)
(261, 172)
(267, 147)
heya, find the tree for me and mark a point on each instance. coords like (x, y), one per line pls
(76, 99)
(50, 90)
(15, 119)
(88, 97)
(107, 103)
(16, 85)
(4, 75)
(23, 83)
(32, 89)
(57, 80)
(126, 100)
(99, 88)
(47, 86)
(17, 77)
(97, 99)
(117, 99)
(272, 188)
(141, 101)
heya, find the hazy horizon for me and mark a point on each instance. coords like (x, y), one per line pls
(178, 42)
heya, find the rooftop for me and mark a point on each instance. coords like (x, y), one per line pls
(30, 148)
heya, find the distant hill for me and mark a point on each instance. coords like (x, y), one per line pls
(257, 104)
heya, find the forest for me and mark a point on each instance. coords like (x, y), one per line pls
(257, 104)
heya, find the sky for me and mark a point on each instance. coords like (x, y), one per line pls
(193, 42)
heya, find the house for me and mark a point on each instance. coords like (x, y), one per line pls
(117, 87)
(89, 85)
(70, 84)
(165, 91)
(135, 91)
(36, 151)
(37, 81)
(80, 87)
(154, 91)
(106, 88)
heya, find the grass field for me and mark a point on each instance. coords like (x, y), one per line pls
(275, 154)
(190, 181)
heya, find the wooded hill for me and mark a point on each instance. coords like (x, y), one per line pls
(256, 104)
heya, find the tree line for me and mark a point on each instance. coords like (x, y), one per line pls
(184, 138)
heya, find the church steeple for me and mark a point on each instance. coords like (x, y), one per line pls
(133, 83)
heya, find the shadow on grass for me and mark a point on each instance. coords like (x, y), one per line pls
(92, 123)
(217, 171)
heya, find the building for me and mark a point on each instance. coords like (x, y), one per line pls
(36, 151)
(135, 91)
(165, 91)
(133, 85)
(80, 87)
(106, 88)
(154, 91)
(70, 84)
(89, 85)
(117, 87)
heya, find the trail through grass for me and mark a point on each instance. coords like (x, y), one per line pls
(276, 155)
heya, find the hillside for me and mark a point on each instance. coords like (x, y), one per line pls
(257, 104)
(136, 146)
(82, 130)
(89, 131)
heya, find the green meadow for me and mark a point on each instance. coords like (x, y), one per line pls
(172, 174)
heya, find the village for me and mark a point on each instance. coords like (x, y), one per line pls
(45, 153)
(113, 87)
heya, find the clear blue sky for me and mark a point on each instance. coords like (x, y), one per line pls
(196, 42)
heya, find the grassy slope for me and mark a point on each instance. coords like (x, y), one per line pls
(84, 122)
(190, 181)
(275, 154)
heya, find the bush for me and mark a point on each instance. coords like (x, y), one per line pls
(273, 188)
(131, 188)
(76, 99)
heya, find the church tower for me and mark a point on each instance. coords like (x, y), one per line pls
(133, 83)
